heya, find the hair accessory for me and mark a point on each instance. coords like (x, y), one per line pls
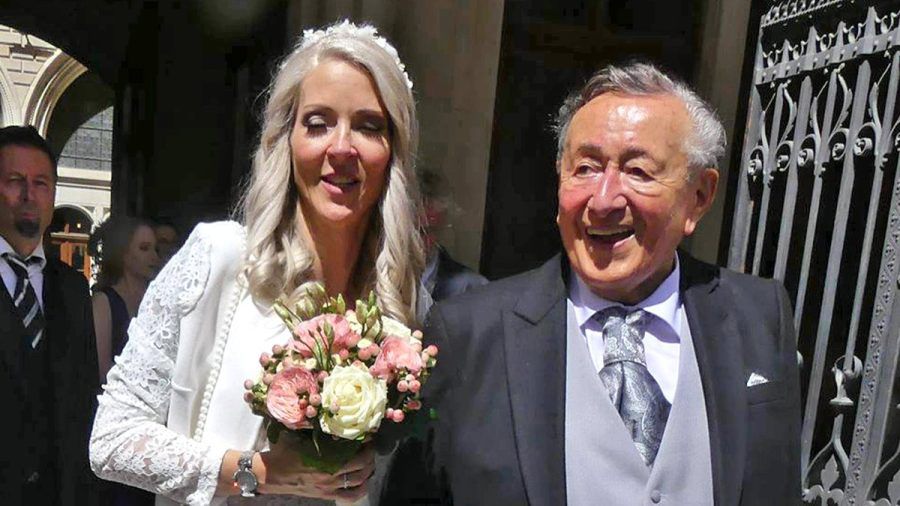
(345, 27)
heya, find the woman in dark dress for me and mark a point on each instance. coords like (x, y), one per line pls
(126, 249)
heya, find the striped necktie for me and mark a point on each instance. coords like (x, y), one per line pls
(632, 389)
(25, 300)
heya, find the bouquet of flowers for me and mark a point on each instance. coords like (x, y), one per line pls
(343, 373)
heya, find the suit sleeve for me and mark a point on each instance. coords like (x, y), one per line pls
(89, 373)
(416, 475)
(791, 374)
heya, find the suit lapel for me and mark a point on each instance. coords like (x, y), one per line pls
(12, 331)
(55, 333)
(718, 348)
(535, 346)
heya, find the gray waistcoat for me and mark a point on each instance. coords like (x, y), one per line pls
(603, 466)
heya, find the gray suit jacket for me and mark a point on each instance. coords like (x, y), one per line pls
(499, 392)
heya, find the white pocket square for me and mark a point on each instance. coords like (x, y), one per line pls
(756, 379)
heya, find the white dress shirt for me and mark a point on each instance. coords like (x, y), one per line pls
(662, 342)
(35, 271)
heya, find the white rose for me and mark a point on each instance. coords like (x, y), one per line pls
(361, 401)
(392, 327)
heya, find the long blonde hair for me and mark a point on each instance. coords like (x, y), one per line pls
(279, 262)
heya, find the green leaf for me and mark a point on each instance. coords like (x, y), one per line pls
(324, 453)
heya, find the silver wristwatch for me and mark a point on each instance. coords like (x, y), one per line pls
(244, 479)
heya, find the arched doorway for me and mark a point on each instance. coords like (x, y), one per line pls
(67, 238)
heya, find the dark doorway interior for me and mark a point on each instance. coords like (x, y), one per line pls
(546, 51)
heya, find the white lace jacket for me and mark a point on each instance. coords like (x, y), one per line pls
(149, 428)
(167, 416)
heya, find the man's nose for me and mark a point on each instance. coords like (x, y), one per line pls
(27, 192)
(608, 194)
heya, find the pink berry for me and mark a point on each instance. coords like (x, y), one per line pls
(311, 412)
(277, 349)
(321, 376)
(248, 384)
(267, 378)
(398, 416)
(374, 350)
(315, 399)
(264, 359)
(248, 397)
(414, 386)
(364, 354)
(417, 334)
(389, 413)
(431, 350)
(344, 354)
(414, 405)
(402, 386)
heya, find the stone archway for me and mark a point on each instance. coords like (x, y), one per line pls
(57, 73)
(10, 112)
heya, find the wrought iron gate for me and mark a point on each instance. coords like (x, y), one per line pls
(818, 206)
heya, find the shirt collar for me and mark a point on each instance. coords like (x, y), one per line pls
(663, 303)
(38, 252)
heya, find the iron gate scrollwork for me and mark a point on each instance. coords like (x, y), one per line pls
(818, 207)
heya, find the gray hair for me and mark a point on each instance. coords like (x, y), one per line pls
(392, 258)
(705, 144)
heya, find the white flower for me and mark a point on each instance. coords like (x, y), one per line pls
(361, 401)
(312, 37)
(392, 327)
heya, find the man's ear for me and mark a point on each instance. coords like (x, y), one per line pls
(703, 193)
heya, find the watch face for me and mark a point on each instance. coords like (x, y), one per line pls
(246, 481)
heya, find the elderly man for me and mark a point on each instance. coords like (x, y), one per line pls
(622, 372)
(48, 379)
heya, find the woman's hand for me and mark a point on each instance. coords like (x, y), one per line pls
(285, 474)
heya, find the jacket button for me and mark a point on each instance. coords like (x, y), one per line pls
(655, 496)
(34, 477)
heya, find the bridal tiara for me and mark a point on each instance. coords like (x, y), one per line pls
(311, 37)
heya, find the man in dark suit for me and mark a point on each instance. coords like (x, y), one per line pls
(623, 372)
(49, 377)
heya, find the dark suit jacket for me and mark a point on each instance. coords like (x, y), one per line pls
(453, 278)
(73, 372)
(499, 392)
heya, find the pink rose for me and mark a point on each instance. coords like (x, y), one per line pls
(396, 354)
(344, 336)
(283, 398)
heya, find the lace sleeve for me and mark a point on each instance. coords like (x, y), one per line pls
(130, 442)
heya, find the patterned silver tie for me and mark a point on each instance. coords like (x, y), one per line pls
(25, 300)
(632, 389)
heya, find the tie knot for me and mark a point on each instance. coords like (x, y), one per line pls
(623, 333)
(18, 264)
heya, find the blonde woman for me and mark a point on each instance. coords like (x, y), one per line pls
(333, 198)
